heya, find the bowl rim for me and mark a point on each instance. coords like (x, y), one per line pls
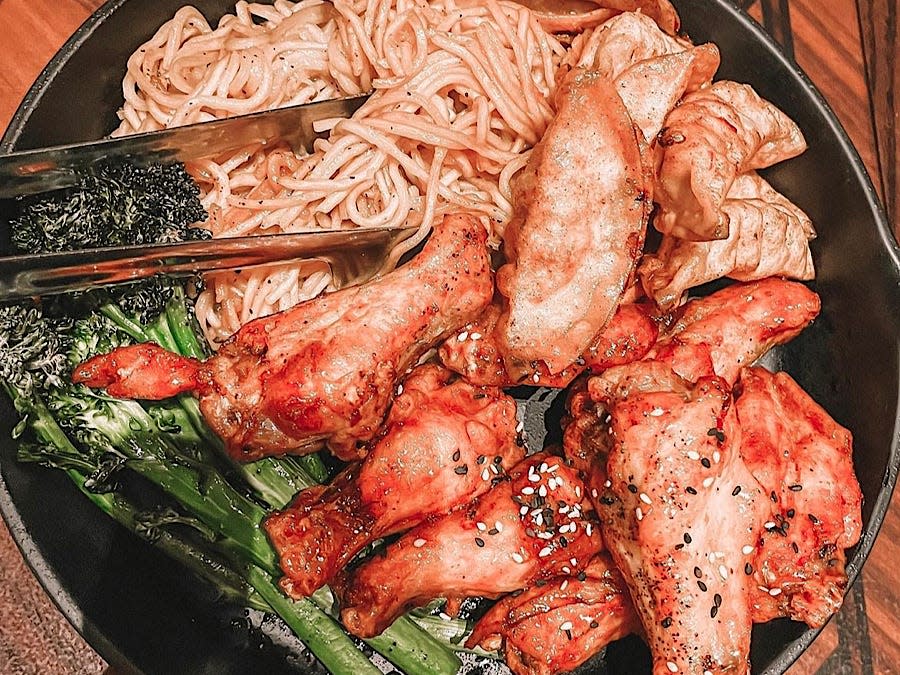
(64, 600)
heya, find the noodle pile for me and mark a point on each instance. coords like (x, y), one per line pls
(460, 94)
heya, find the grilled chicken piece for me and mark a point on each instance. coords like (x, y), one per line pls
(537, 524)
(713, 135)
(581, 208)
(555, 627)
(650, 69)
(325, 369)
(579, 16)
(679, 512)
(477, 353)
(802, 458)
(411, 472)
(768, 236)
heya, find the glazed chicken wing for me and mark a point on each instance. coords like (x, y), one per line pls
(581, 207)
(436, 425)
(325, 369)
(679, 513)
(557, 626)
(803, 459)
(537, 524)
(713, 135)
(476, 352)
(650, 69)
(768, 236)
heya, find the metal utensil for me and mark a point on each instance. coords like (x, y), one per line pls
(44, 169)
(351, 254)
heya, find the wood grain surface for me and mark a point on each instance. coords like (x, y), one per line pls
(863, 638)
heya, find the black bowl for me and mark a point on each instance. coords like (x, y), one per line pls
(142, 612)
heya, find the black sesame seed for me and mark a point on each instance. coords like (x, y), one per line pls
(678, 547)
(791, 513)
(773, 497)
(706, 463)
(632, 488)
(594, 624)
(698, 573)
(456, 455)
(795, 488)
(713, 611)
(666, 622)
(813, 519)
(795, 547)
(462, 470)
(748, 569)
(701, 586)
(498, 460)
(687, 538)
(493, 531)
(690, 490)
(736, 491)
(717, 599)
(568, 634)
(481, 459)
(581, 576)
(480, 542)
(607, 501)
(563, 542)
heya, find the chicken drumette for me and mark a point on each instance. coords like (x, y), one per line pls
(324, 370)
(437, 426)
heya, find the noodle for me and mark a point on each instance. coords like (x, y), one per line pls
(461, 92)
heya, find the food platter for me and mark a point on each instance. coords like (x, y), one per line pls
(141, 611)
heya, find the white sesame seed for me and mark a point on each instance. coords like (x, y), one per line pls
(536, 377)
(769, 525)
(399, 389)
(475, 336)
(542, 491)
(693, 454)
(578, 491)
(588, 528)
(656, 412)
(723, 572)
(534, 479)
(673, 667)
(551, 483)
(566, 570)
(565, 625)
(564, 585)
(645, 498)
(638, 513)
(545, 535)
(774, 591)
(528, 490)
(708, 481)
(419, 543)
(518, 558)
(536, 512)
(520, 426)
(481, 526)
(717, 456)
(523, 510)
(562, 529)
(608, 483)
(594, 493)
(574, 561)
(485, 474)
(498, 526)
(495, 469)
(559, 481)
(539, 519)
(711, 557)
(764, 589)
(747, 550)
(572, 527)
(707, 672)
(544, 467)
(553, 468)
(544, 552)
(564, 509)
(462, 337)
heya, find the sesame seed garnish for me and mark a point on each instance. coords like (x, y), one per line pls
(399, 389)
(693, 455)
(552, 483)
(527, 490)
(545, 535)
(673, 667)
(581, 576)
(769, 525)
(498, 526)
(723, 572)
(638, 513)
(536, 377)
(594, 493)
(565, 625)
(773, 497)
(495, 470)
(608, 483)
(523, 510)
(645, 498)
(713, 611)
(456, 455)
(764, 589)
(717, 600)
(632, 488)
(813, 519)
(698, 572)
(791, 513)
(520, 426)
(666, 622)
(690, 490)
(493, 531)
(774, 591)
(578, 491)
(566, 570)
(462, 337)
(461, 470)
(747, 550)
(707, 481)
(748, 569)
(518, 558)
(534, 478)
(444, 616)
(589, 528)
(475, 336)
(544, 552)
(736, 491)
(481, 526)
(480, 542)
(701, 586)
(656, 412)
(485, 474)
(795, 488)
(419, 543)
(542, 491)
(687, 538)
(564, 585)
(717, 456)
(705, 462)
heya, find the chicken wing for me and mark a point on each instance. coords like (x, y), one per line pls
(581, 207)
(803, 458)
(650, 69)
(476, 352)
(557, 626)
(680, 510)
(325, 369)
(437, 425)
(535, 525)
(713, 135)
(768, 236)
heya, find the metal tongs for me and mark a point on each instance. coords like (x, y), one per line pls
(351, 254)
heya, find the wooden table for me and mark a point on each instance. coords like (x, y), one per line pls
(863, 638)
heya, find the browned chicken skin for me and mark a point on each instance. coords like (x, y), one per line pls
(580, 16)
(711, 136)
(437, 424)
(535, 525)
(581, 208)
(325, 369)
(477, 353)
(555, 627)
(803, 458)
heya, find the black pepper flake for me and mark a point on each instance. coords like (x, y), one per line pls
(687, 538)
(667, 622)
(461, 470)
(813, 519)
(456, 455)
(717, 599)
(480, 542)
(706, 463)
(632, 488)
(701, 586)
(713, 611)
(748, 569)
(481, 459)
(690, 490)
(698, 573)
(736, 491)
(795, 488)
